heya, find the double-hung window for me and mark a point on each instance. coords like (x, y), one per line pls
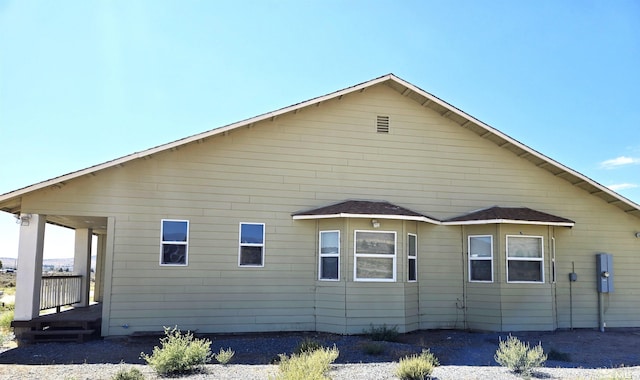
(375, 256)
(412, 257)
(480, 258)
(525, 258)
(174, 240)
(251, 251)
(329, 256)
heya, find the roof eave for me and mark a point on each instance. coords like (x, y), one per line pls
(507, 221)
(367, 216)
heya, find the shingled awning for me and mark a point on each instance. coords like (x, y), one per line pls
(364, 209)
(512, 215)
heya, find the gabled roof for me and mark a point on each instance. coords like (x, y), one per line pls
(510, 215)
(11, 202)
(364, 209)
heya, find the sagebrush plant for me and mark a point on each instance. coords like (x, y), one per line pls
(307, 345)
(178, 353)
(373, 348)
(224, 356)
(417, 366)
(131, 374)
(382, 333)
(312, 365)
(519, 356)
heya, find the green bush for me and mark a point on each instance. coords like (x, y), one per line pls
(417, 367)
(5, 320)
(382, 333)
(131, 374)
(307, 345)
(311, 365)
(179, 353)
(224, 356)
(518, 356)
(373, 348)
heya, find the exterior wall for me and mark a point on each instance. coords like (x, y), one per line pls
(321, 155)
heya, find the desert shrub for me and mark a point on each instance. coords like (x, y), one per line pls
(311, 365)
(518, 356)
(5, 320)
(373, 348)
(307, 345)
(224, 356)
(554, 354)
(417, 367)
(131, 374)
(178, 353)
(382, 333)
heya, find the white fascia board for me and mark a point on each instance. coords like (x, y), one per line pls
(367, 216)
(507, 221)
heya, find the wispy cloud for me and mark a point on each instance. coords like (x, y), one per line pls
(619, 161)
(623, 186)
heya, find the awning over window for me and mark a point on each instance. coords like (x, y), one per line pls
(511, 215)
(364, 209)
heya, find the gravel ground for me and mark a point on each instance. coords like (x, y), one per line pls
(584, 354)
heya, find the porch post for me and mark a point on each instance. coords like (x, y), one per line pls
(82, 263)
(29, 273)
(98, 291)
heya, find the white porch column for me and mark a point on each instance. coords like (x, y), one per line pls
(98, 291)
(29, 274)
(82, 263)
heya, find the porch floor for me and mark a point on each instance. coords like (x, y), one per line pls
(75, 324)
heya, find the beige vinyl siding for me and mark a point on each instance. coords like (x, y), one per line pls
(322, 155)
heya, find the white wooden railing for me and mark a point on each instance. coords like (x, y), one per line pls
(57, 291)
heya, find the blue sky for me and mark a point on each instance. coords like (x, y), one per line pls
(83, 82)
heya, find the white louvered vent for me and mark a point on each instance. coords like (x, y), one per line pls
(382, 124)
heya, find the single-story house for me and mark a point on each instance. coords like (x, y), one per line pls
(376, 204)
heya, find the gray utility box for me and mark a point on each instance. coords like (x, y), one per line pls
(604, 272)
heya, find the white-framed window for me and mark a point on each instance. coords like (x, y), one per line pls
(329, 256)
(480, 258)
(412, 257)
(251, 250)
(525, 258)
(375, 256)
(174, 242)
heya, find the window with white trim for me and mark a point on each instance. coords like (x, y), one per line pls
(329, 256)
(412, 257)
(375, 256)
(174, 241)
(251, 251)
(480, 258)
(525, 258)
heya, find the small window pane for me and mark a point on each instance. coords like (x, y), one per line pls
(374, 268)
(520, 270)
(251, 233)
(480, 246)
(375, 243)
(412, 270)
(329, 242)
(174, 230)
(412, 245)
(251, 256)
(329, 268)
(525, 247)
(174, 254)
(481, 270)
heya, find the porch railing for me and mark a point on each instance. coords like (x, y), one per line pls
(57, 291)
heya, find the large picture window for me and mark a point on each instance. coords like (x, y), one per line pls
(174, 236)
(251, 252)
(375, 256)
(481, 258)
(525, 258)
(412, 257)
(329, 256)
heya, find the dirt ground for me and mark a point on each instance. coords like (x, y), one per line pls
(578, 348)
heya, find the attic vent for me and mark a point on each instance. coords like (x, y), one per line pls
(382, 124)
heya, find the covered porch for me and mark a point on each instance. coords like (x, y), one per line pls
(59, 306)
